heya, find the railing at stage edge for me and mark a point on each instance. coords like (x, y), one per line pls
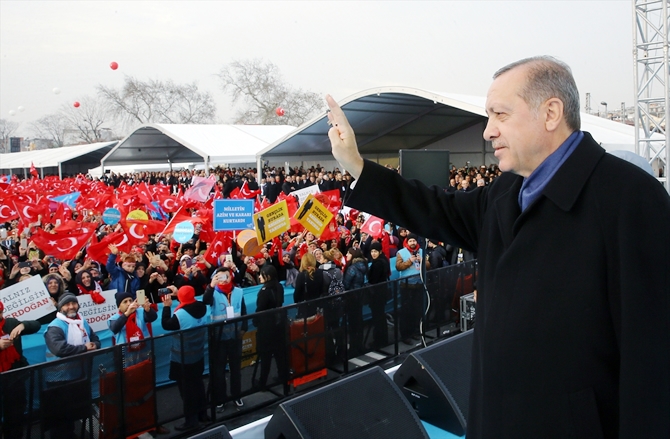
(324, 339)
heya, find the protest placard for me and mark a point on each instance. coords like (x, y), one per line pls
(98, 314)
(272, 222)
(303, 193)
(313, 215)
(27, 300)
(233, 214)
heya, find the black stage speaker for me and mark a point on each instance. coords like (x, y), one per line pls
(429, 166)
(366, 405)
(220, 432)
(436, 381)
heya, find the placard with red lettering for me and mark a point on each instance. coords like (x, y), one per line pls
(98, 314)
(27, 300)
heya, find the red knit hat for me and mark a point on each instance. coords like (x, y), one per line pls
(186, 296)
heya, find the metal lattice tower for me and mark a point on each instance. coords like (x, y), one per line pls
(651, 21)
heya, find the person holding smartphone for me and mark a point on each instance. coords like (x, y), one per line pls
(133, 321)
(227, 302)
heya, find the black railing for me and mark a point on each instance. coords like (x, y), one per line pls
(112, 392)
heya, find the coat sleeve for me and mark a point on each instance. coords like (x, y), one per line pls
(451, 217)
(58, 345)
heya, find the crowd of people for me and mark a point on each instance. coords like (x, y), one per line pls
(165, 270)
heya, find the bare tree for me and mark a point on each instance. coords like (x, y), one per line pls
(7, 128)
(154, 101)
(52, 127)
(260, 87)
(86, 120)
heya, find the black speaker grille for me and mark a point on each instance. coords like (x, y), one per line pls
(366, 405)
(451, 366)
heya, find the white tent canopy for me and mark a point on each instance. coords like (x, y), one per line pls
(212, 144)
(56, 157)
(387, 119)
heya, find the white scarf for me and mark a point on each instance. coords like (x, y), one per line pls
(76, 332)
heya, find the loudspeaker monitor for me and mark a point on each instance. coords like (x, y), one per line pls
(430, 166)
(365, 405)
(436, 382)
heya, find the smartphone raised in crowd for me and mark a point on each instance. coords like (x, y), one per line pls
(141, 297)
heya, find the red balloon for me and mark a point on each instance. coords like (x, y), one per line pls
(76, 104)
(114, 65)
(279, 111)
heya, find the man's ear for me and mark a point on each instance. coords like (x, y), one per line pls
(553, 113)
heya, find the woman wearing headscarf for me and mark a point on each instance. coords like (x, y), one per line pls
(86, 285)
(56, 287)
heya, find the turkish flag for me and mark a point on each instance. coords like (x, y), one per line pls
(7, 211)
(145, 196)
(222, 243)
(30, 212)
(245, 192)
(373, 226)
(235, 194)
(99, 251)
(180, 217)
(330, 232)
(169, 203)
(61, 245)
(138, 231)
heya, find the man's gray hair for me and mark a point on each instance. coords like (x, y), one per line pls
(549, 78)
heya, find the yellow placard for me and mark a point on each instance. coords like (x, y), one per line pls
(272, 222)
(249, 348)
(137, 215)
(313, 215)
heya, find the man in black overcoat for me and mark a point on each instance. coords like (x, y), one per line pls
(573, 310)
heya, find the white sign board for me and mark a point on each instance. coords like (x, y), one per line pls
(27, 300)
(304, 192)
(97, 315)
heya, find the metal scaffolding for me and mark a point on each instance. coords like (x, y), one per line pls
(651, 21)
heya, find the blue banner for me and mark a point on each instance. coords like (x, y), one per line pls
(233, 215)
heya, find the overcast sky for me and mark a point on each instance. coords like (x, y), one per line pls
(327, 47)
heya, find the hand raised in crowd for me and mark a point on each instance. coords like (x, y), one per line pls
(167, 300)
(146, 306)
(114, 249)
(64, 272)
(343, 139)
(132, 308)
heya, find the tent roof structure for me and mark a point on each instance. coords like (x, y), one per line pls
(46, 158)
(179, 143)
(387, 119)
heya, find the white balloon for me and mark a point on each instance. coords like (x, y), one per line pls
(21, 108)
(56, 90)
(12, 112)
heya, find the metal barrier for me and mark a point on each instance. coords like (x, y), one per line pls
(111, 393)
